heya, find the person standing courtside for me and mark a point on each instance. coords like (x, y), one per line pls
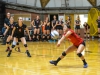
(98, 23)
(36, 23)
(54, 22)
(86, 31)
(68, 22)
(6, 21)
(77, 25)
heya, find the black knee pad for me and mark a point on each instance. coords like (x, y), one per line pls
(7, 42)
(17, 43)
(37, 34)
(43, 35)
(34, 34)
(48, 34)
(25, 45)
(88, 33)
(79, 54)
(84, 33)
(64, 54)
(13, 46)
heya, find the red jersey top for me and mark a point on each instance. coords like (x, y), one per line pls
(74, 38)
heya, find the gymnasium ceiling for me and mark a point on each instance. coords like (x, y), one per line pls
(52, 4)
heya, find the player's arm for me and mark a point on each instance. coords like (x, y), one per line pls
(32, 23)
(75, 22)
(7, 28)
(52, 25)
(40, 24)
(80, 23)
(63, 37)
(13, 31)
(28, 32)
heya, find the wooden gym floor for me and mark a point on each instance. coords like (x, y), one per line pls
(42, 53)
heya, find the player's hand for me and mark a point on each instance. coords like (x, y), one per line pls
(34, 26)
(58, 44)
(30, 38)
(11, 37)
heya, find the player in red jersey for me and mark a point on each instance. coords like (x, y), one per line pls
(78, 46)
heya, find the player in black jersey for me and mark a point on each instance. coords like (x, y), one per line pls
(18, 32)
(77, 25)
(98, 23)
(68, 22)
(9, 27)
(36, 23)
(54, 22)
(86, 30)
(59, 27)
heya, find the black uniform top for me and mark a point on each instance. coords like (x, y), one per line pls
(60, 22)
(6, 21)
(19, 31)
(68, 22)
(11, 26)
(86, 26)
(77, 21)
(54, 22)
(98, 21)
(37, 22)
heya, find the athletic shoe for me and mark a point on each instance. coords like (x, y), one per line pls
(9, 53)
(7, 49)
(85, 66)
(28, 54)
(53, 62)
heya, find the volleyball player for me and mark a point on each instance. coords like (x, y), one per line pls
(36, 23)
(78, 46)
(18, 32)
(86, 30)
(98, 23)
(77, 25)
(68, 22)
(54, 22)
(59, 27)
(9, 27)
(46, 32)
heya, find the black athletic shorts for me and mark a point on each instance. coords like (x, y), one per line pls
(9, 33)
(18, 35)
(47, 27)
(83, 43)
(99, 26)
(77, 27)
